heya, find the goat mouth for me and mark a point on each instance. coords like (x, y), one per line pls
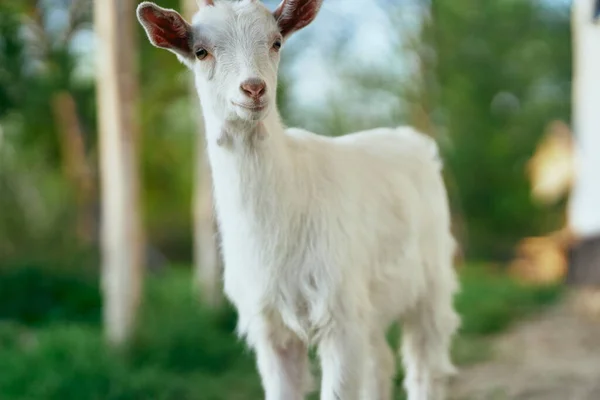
(251, 107)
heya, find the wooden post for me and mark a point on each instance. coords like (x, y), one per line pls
(584, 205)
(121, 236)
(207, 259)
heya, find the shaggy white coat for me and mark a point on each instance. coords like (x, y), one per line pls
(326, 241)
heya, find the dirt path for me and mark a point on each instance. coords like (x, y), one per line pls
(555, 356)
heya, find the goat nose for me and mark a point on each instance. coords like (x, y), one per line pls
(254, 88)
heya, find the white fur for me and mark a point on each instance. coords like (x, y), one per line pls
(326, 241)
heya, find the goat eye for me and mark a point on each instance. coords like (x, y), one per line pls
(277, 45)
(201, 54)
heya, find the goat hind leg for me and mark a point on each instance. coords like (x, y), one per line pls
(382, 367)
(427, 335)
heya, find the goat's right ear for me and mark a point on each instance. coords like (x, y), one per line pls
(166, 29)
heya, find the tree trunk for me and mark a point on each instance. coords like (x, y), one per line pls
(121, 235)
(75, 163)
(207, 259)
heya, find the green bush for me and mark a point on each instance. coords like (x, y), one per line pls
(180, 351)
(36, 292)
(184, 352)
(179, 335)
(71, 362)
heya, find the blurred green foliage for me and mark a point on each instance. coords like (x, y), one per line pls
(490, 300)
(36, 201)
(493, 74)
(35, 65)
(38, 292)
(39, 60)
(485, 78)
(503, 72)
(180, 350)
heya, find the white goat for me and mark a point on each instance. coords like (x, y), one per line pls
(326, 241)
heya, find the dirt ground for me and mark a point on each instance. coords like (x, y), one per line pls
(554, 356)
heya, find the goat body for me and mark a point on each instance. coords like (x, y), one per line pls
(326, 241)
(328, 235)
(309, 222)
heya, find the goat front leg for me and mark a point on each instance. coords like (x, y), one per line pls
(283, 367)
(344, 361)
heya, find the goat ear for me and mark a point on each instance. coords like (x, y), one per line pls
(166, 29)
(293, 15)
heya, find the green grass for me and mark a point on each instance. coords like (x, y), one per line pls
(38, 292)
(490, 301)
(181, 351)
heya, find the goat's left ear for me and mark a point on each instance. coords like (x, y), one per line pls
(166, 29)
(293, 15)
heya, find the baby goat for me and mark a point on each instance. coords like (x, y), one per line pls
(326, 241)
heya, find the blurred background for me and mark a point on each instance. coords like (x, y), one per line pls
(100, 129)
